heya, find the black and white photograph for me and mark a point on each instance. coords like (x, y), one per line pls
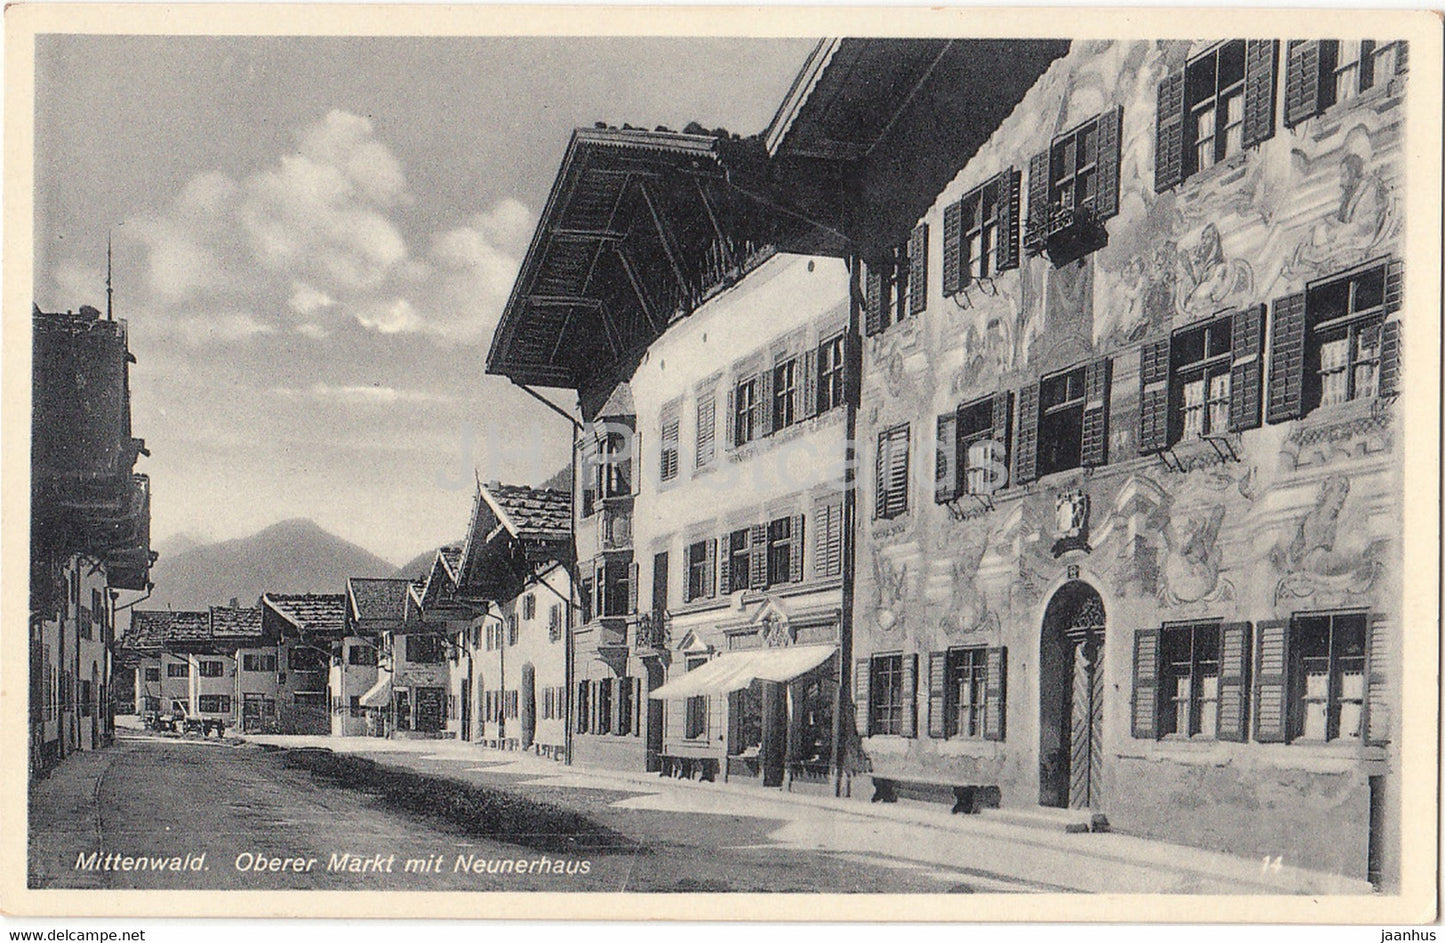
(560, 459)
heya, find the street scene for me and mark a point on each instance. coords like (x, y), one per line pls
(930, 466)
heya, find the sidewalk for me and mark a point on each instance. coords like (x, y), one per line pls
(914, 834)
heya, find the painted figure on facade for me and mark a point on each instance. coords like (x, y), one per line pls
(1364, 220)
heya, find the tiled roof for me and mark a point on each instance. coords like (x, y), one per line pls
(378, 599)
(150, 629)
(533, 512)
(235, 623)
(452, 556)
(189, 627)
(323, 613)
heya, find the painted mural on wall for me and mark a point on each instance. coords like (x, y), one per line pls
(1329, 552)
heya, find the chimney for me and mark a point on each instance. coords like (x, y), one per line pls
(235, 602)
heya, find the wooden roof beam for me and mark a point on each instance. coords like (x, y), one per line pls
(637, 287)
(662, 237)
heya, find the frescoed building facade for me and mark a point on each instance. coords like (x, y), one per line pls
(1129, 514)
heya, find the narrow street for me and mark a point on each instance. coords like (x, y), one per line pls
(242, 803)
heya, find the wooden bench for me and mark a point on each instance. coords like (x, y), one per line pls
(966, 799)
(689, 767)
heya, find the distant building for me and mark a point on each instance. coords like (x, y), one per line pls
(89, 527)
(307, 626)
(207, 664)
(374, 608)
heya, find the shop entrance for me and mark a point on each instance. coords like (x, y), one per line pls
(1071, 699)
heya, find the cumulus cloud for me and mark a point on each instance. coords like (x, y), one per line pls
(316, 241)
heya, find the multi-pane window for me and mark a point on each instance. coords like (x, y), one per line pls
(361, 655)
(981, 232)
(529, 606)
(697, 570)
(1201, 358)
(885, 695)
(667, 457)
(1328, 683)
(208, 668)
(1349, 59)
(178, 669)
(614, 588)
(588, 594)
(706, 428)
(512, 623)
(614, 468)
(1190, 665)
(780, 550)
(584, 705)
(1074, 168)
(425, 649)
(1345, 318)
(1061, 420)
(554, 622)
(1214, 102)
(980, 454)
(695, 708)
(604, 706)
(738, 551)
(215, 703)
(154, 674)
(747, 411)
(785, 393)
(830, 373)
(892, 473)
(967, 675)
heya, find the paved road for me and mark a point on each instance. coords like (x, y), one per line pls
(237, 803)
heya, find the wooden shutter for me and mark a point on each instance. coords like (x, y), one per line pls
(828, 539)
(1094, 447)
(1246, 370)
(909, 726)
(862, 713)
(730, 419)
(599, 591)
(706, 428)
(758, 557)
(1271, 681)
(1390, 358)
(809, 365)
(1260, 56)
(1111, 127)
(1038, 218)
(795, 550)
(1010, 182)
(1144, 703)
(873, 295)
(1376, 722)
(632, 580)
(918, 269)
(1154, 396)
(952, 248)
(709, 568)
(1026, 439)
(1394, 285)
(1302, 82)
(995, 693)
(852, 367)
(1402, 60)
(881, 475)
(594, 706)
(1169, 132)
(946, 474)
(632, 467)
(724, 564)
(1002, 428)
(1287, 359)
(897, 495)
(1233, 703)
(938, 695)
(766, 421)
(617, 715)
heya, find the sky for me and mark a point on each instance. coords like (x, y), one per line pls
(313, 239)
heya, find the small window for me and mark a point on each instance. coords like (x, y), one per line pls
(604, 706)
(584, 713)
(695, 708)
(885, 703)
(747, 411)
(739, 559)
(178, 670)
(1061, 421)
(529, 606)
(830, 373)
(967, 676)
(301, 658)
(1214, 106)
(1342, 352)
(512, 623)
(207, 668)
(586, 596)
(363, 655)
(983, 427)
(1327, 683)
(891, 482)
(780, 550)
(554, 622)
(980, 245)
(1190, 666)
(624, 706)
(258, 662)
(667, 457)
(215, 703)
(154, 674)
(785, 393)
(425, 649)
(1200, 364)
(697, 570)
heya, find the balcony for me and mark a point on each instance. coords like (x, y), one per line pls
(1065, 233)
(654, 632)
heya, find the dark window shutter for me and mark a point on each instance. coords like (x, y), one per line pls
(1246, 371)
(724, 565)
(1154, 396)
(881, 476)
(1094, 450)
(852, 367)
(1394, 285)
(615, 706)
(1038, 218)
(637, 700)
(1144, 706)
(1271, 681)
(1287, 359)
(709, 568)
(632, 580)
(1169, 132)
(730, 420)
(946, 465)
(1009, 184)
(898, 472)
(1002, 427)
(937, 695)
(758, 557)
(995, 694)
(909, 724)
(795, 551)
(1111, 127)
(952, 247)
(1260, 57)
(1376, 722)
(874, 300)
(918, 269)
(1390, 358)
(832, 560)
(1302, 81)
(862, 709)
(766, 419)
(1402, 57)
(1026, 439)
(809, 365)
(1233, 704)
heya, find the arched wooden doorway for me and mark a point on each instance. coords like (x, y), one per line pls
(1071, 698)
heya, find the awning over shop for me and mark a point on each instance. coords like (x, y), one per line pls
(734, 671)
(379, 695)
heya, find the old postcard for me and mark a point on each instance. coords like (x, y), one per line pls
(722, 463)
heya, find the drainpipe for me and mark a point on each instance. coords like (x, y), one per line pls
(853, 391)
